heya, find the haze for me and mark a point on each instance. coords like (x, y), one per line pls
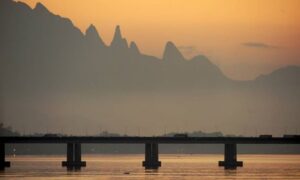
(55, 78)
(244, 38)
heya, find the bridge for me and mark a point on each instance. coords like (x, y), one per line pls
(73, 145)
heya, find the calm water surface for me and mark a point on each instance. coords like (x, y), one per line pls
(173, 167)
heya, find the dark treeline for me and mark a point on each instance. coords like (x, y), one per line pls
(7, 131)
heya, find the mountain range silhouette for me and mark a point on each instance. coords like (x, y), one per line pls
(43, 53)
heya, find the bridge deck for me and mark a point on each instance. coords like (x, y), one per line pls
(151, 146)
(159, 140)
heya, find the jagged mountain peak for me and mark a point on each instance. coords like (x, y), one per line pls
(133, 47)
(171, 53)
(118, 34)
(118, 41)
(91, 29)
(91, 32)
(41, 8)
(93, 36)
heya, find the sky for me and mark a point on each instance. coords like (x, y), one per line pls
(244, 38)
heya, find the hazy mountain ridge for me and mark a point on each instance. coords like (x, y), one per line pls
(288, 75)
(56, 45)
(52, 72)
(52, 48)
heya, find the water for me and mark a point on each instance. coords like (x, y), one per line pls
(183, 166)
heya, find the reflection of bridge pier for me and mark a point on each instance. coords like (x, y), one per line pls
(74, 157)
(151, 156)
(3, 163)
(230, 157)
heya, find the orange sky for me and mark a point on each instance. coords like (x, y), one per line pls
(218, 29)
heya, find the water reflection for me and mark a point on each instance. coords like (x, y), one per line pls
(174, 166)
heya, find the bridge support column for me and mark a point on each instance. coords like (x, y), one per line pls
(230, 157)
(74, 157)
(151, 156)
(3, 163)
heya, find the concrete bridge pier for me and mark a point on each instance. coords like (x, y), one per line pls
(230, 157)
(151, 156)
(74, 157)
(3, 163)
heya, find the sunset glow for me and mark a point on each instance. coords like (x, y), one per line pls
(222, 30)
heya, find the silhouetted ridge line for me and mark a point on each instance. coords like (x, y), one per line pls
(118, 41)
(52, 72)
(58, 45)
(133, 47)
(41, 8)
(171, 53)
(93, 36)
